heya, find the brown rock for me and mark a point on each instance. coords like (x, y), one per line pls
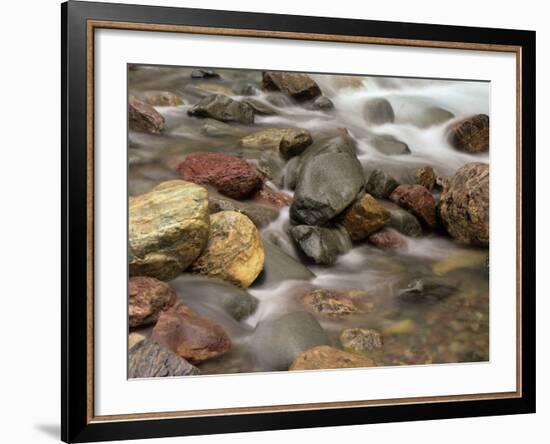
(164, 98)
(326, 357)
(426, 177)
(147, 297)
(388, 239)
(336, 303)
(189, 335)
(464, 204)
(299, 86)
(143, 117)
(223, 108)
(289, 142)
(471, 134)
(271, 197)
(418, 200)
(364, 217)
(234, 251)
(230, 175)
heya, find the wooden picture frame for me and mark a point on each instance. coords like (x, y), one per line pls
(79, 22)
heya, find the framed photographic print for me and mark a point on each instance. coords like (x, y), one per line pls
(276, 221)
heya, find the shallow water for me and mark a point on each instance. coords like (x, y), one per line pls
(454, 329)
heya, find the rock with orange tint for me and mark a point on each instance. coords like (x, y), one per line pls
(143, 117)
(326, 357)
(147, 297)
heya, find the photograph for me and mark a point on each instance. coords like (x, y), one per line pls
(300, 221)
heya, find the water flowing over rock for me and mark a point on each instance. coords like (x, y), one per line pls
(426, 289)
(387, 239)
(189, 335)
(300, 87)
(322, 103)
(380, 184)
(425, 176)
(148, 359)
(143, 117)
(329, 179)
(471, 134)
(168, 228)
(230, 175)
(147, 297)
(279, 266)
(319, 244)
(260, 215)
(378, 111)
(224, 108)
(389, 145)
(464, 204)
(279, 341)
(164, 98)
(234, 251)
(329, 303)
(402, 220)
(365, 217)
(326, 357)
(289, 142)
(360, 340)
(417, 199)
(261, 108)
(235, 301)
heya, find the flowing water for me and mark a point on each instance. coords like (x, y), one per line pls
(448, 330)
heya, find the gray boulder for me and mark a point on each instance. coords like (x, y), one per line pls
(279, 341)
(223, 108)
(329, 178)
(380, 184)
(402, 220)
(389, 145)
(321, 245)
(148, 359)
(378, 111)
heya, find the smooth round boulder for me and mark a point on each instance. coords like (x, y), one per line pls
(223, 108)
(279, 341)
(364, 217)
(167, 229)
(300, 87)
(234, 251)
(326, 357)
(147, 297)
(149, 359)
(378, 111)
(189, 335)
(464, 204)
(329, 178)
(143, 117)
(418, 200)
(389, 145)
(471, 134)
(360, 340)
(230, 175)
(321, 245)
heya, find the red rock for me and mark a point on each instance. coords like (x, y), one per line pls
(387, 239)
(271, 197)
(189, 335)
(418, 200)
(147, 297)
(230, 175)
(143, 117)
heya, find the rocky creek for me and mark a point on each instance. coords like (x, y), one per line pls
(284, 221)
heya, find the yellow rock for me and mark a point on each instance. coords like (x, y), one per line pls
(234, 251)
(326, 357)
(467, 259)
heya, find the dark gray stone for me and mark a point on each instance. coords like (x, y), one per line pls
(380, 184)
(259, 214)
(402, 220)
(148, 359)
(329, 178)
(204, 74)
(223, 108)
(321, 245)
(425, 290)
